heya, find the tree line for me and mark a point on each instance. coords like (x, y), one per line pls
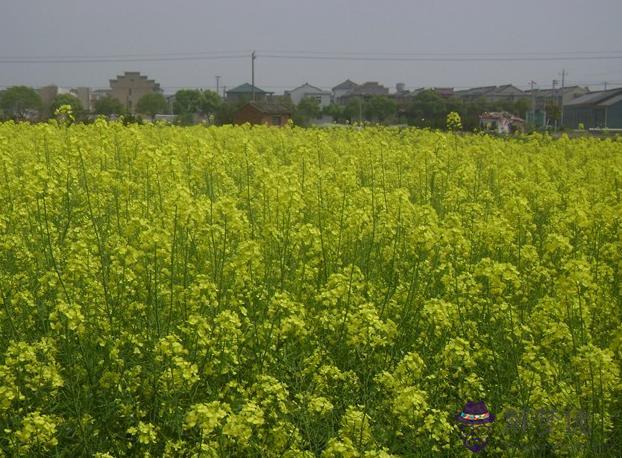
(424, 109)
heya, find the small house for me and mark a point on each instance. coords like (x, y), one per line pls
(501, 123)
(306, 90)
(266, 113)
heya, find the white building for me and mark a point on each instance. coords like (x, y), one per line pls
(306, 90)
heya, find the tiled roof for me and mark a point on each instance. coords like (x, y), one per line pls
(270, 107)
(311, 89)
(553, 92)
(347, 84)
(476, 90)
(370, 88)
(487, 91)
(594, 98)
(246, 89)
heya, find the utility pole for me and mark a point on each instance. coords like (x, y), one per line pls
(533, 103)
(555, 99)
(561, 100)
(253, 73)
(218, 84)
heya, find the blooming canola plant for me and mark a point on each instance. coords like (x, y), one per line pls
(248, 291)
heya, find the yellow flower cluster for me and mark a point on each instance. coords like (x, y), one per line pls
(247, 291)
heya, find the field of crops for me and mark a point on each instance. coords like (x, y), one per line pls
(241, 291)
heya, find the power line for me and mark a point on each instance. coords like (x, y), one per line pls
(114, 56)
(320, 55)
(115, 60)
(439, 59)
(419, 54)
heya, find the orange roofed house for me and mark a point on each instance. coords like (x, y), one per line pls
(267, 113)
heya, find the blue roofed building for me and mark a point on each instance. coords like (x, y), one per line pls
(596, 110)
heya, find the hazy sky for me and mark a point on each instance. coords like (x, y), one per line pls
(153, 29)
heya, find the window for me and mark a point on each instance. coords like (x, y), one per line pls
(130, 91)
(276, 120)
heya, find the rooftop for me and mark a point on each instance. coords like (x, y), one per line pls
(596, 98)
(270, 107)
(347, 84)
(310, 89)
(246, 89)
(370, 88)
(550, 92)
(488, 90)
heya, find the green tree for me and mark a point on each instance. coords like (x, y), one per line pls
(553, 111)
(210, 103)
(380, 109)
(521, 107)
(66, 99)
(335, 111)
(187, 101)
(109, 105)
(471, 111)
(307, 109)
(354, 109)
(18, 100)
(226, 112)
(427, 109)
(151, 104)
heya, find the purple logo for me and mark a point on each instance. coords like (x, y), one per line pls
(474, 422)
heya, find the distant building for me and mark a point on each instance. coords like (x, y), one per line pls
(306, 90)
(47, 94)
(130, 87)
(262, 112)
(343, 89)
(444, 91)
(364, 91)
(244, 92)
(401, 96)
(83, 94)
(368, 89)
(501, 123)
(97, 94)
(504, 93)
(170, 102)
(545, 96)
(601, 109)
